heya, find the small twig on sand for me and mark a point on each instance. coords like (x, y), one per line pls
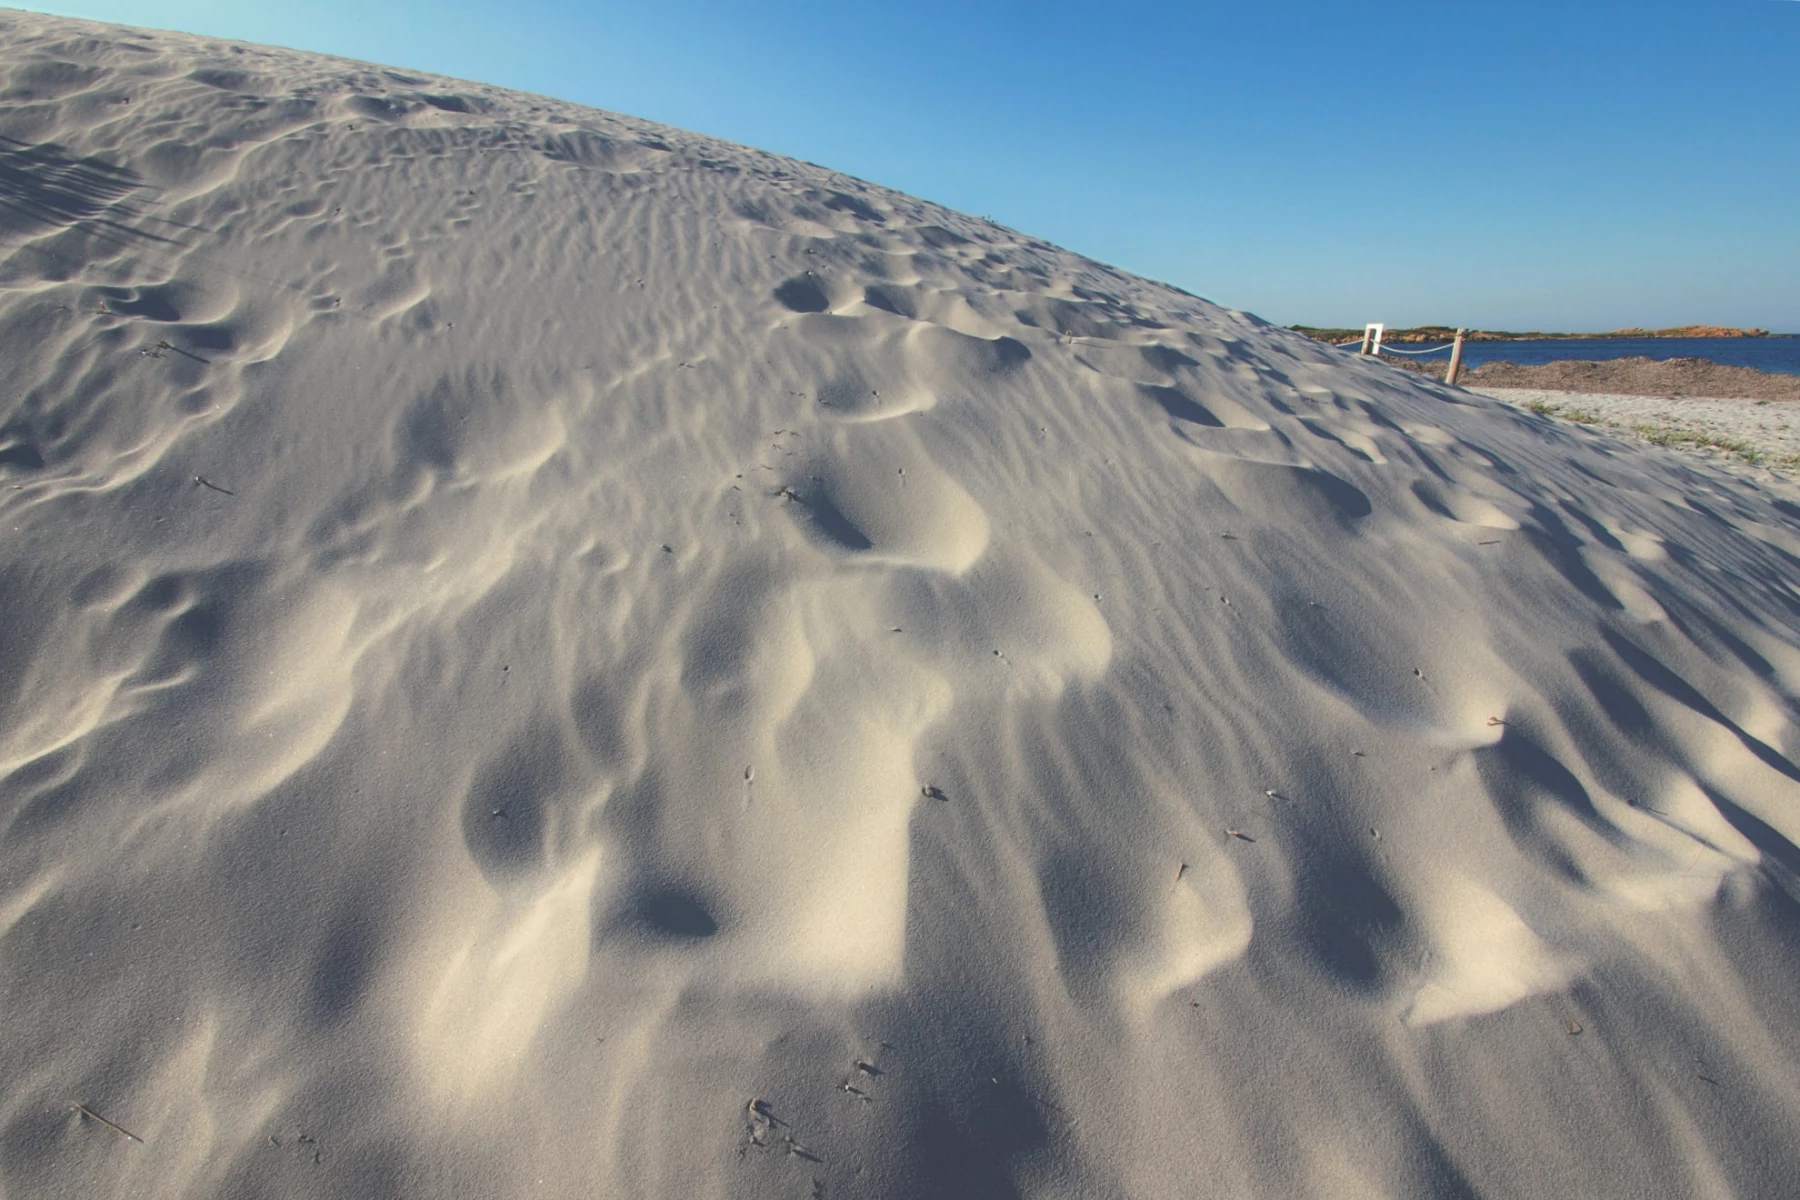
(165, 344)
(798, 1151)
(85, 1111)
(203, 481)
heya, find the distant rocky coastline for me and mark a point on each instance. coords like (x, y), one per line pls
(1431, 334)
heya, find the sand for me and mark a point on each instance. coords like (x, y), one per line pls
(1747, 415)
(1761, 432)
(549, 655)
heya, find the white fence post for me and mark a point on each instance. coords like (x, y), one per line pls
(1455, 359)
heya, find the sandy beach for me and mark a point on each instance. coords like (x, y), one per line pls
(1700, 407)
(1758, 432)
(550, 655)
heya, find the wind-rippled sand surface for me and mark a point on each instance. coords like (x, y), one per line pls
(506, 773)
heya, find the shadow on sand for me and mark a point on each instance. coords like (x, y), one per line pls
(43, 188)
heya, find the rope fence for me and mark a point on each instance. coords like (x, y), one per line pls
(1433, 350)
(1370, 344)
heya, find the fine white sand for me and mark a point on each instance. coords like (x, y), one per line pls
(1769, 429)
(488, 584)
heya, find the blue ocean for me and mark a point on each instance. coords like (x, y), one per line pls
(1778, 354)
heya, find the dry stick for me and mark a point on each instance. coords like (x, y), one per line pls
(203, 481)
(1450, 376)
(168, 345)
(85, 1111)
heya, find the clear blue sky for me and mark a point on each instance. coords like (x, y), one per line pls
(1563, 165)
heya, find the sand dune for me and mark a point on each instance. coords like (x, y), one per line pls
(550, 655)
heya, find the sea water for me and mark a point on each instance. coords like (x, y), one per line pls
(1778, 354)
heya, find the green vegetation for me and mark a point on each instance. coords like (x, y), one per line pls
(1662, 435)
(1581, 416)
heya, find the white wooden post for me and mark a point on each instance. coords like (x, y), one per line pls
(1455, 359)
(1372, 338)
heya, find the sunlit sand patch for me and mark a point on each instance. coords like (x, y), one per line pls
(1484, 956)
(491, 978)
